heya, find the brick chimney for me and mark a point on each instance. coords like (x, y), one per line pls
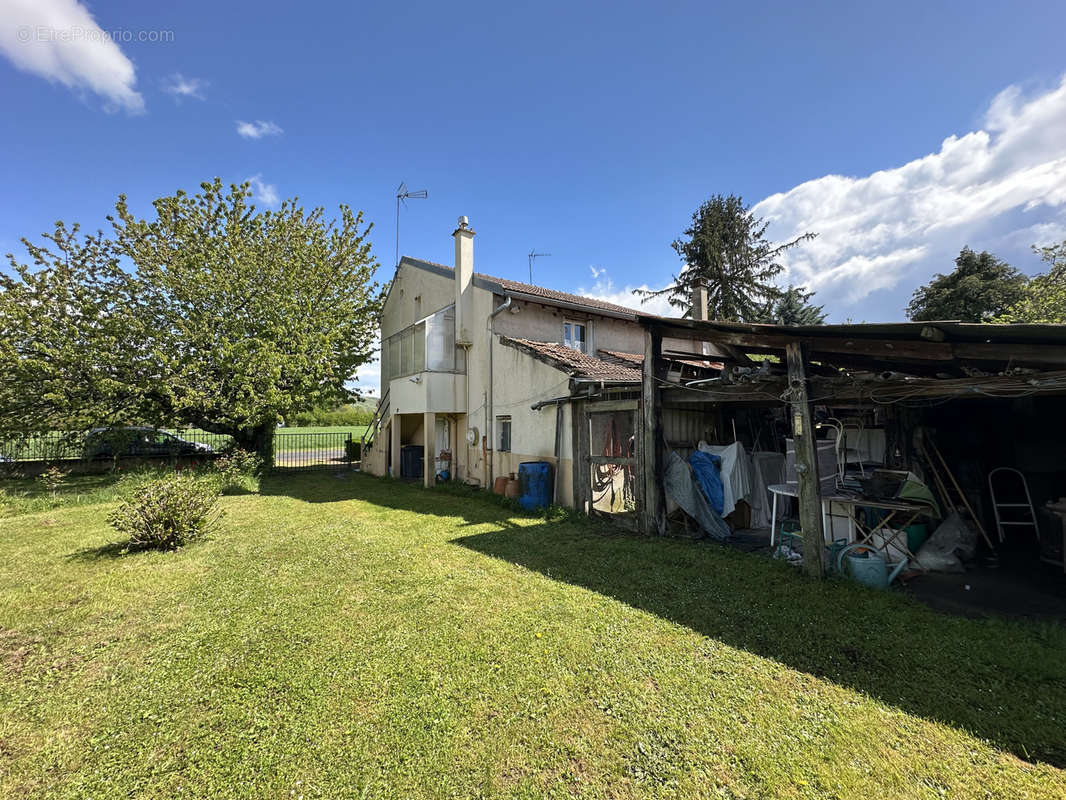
(464, 275)
(699, 303)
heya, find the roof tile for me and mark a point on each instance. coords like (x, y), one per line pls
(576, 363)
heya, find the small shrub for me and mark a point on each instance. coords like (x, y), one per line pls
(167, 513)
(53, 479)
(353, 449)
(236, 469)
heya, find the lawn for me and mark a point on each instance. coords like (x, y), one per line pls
(357, 637)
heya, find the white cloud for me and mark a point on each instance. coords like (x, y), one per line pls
(258, 129)
(604, 289)
(59, 40)
(181, 87)
(369, 378)
(262, 192)
(910, 221)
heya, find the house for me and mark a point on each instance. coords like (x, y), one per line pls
(479, 371)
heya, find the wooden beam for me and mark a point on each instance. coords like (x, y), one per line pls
(623, 460)
(810, 499)
(651, 429)
(933, 333)
(1049, 354)
(579, 441)
(820, 346)
(612, 405)
(933, 348)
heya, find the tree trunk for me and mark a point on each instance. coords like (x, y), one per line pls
(258, 440)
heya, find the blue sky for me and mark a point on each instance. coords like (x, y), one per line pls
(590, 131)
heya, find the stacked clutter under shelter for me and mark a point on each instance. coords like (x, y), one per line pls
(939, 447)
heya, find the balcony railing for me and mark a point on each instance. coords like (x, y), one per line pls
(426, 346)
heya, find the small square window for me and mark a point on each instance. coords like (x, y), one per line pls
(574, 336)
(503, 425)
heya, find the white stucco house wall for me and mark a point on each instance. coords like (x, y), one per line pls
(479, 368)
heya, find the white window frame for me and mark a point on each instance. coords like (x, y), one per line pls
(503, 424)
(568, 340)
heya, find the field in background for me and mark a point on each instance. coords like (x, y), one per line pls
(287, 440)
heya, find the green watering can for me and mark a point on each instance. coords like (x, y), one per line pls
(870, 568)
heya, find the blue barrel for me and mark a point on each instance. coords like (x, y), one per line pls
(534, 484)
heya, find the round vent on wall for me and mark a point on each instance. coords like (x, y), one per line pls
(471, 436)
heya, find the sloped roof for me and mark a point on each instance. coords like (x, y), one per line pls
(506, 285)
(638, 360)
(577, 364)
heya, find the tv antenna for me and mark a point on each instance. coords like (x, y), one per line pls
(533, 256)
(403, 194)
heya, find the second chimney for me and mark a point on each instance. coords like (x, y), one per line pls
(699, 303)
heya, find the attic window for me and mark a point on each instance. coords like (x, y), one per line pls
(574, 336)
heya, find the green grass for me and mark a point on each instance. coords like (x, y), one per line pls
(20, 496)
(356, 637)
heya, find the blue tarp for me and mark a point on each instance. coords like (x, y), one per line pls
(681, 487)
(708, 470)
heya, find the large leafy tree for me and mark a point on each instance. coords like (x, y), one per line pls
(71, 340)
(794, 307)
(209, 313)
(979, 288)
(725, 250)
(1045, 295)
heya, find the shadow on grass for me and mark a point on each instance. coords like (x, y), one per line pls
(109, 550)
(1004, 681)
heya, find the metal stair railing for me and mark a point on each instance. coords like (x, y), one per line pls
(380, 413)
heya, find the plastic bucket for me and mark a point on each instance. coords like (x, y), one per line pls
(916, 535)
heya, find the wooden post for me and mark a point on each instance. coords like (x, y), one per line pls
(810, 493)
(579, 443)
(651, 452)
(429, 449)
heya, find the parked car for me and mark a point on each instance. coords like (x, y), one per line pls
(139, 441)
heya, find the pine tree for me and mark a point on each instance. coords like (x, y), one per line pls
(726, 251)
(793, 307)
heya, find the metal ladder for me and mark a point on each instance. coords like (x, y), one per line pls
(1001, 523)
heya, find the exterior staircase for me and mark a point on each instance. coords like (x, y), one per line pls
(377, 422)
